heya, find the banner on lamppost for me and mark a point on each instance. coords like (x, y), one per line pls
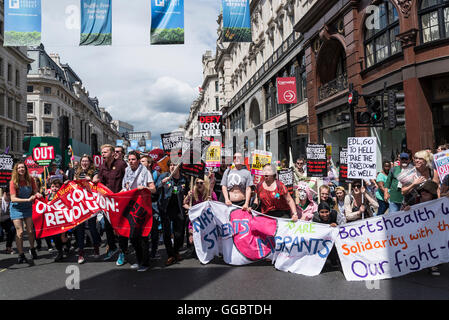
(22, 23)
(236, 21)
(167, 21)
(96, 23)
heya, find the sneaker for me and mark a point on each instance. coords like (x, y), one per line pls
(121, 259)
(81, 257)
(135, 266)
(9, 251)
(434, 271)
(96, 252)
(142, 269)
(33, 253)
(22, 259)
(51, 249)
(59, 257)
(110, 254)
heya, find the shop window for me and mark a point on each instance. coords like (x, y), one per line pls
(434, 20)
(381, 43)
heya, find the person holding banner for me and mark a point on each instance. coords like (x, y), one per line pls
(423, 172)
(236, 184)
(110, 173)
(87, 171)
(273, 196)
(380, 192)
(172, 188)
(136, 177)
(23, 191)
(361, 204)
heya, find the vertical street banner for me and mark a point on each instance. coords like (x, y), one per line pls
(316, 160)
(395, 244)
(362, 158)
(96, 23)
(442, 164)
(243, 238)
(6, 166)
(167, 21)
(210, 124)
(286, 90)
(343, 174)
(236, 21)
(23, 23)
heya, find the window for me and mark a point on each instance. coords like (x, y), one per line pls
(434, 20)
(216, 86)
(10, 108)
(17, 78)
(1, 67)
(47, 127)
(9, 72)
(2, 105)
(47, 108)
(382, 43)
(30, 107)
(30, 89)
(30, 127)
(47, 90)
(217, 104)
(18, 111)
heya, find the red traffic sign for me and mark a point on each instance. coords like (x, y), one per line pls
(286, 89)
(350, 98)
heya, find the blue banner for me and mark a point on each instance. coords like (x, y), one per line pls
(22, 23)
(119, 143)
(96, 23)
(236, 21)
(148, 145)
(134, 145)
(167, 21)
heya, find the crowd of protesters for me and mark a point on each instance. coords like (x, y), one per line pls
(400, 184)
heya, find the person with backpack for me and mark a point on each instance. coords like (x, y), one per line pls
(273, 196)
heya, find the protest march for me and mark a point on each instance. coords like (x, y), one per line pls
(300, 218)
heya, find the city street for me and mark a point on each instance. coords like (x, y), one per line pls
(189, 280)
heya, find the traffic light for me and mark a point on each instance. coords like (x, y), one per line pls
(373, 115)
(353, 97)
(396, 109)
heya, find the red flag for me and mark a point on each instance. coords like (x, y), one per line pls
(77, 201)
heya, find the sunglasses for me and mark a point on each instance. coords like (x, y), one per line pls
(200, 183)
(357, 186)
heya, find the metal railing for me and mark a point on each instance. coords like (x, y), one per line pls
(333, 87)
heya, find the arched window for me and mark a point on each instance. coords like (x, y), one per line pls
(434, 20)
(380, 38)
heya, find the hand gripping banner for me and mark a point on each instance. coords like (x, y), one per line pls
(128, 212)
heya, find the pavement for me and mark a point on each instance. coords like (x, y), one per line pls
(190, 280)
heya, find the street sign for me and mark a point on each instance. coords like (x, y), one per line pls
(350, 98)
(286, 89)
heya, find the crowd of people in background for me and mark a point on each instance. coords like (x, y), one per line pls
(408, 180)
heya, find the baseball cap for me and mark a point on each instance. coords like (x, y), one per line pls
(404, 156)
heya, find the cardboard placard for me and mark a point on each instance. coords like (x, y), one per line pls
(362, 158)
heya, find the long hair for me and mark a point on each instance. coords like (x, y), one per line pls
(15, 175)
(90, 171)
(206, 188)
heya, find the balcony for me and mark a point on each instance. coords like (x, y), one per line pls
(333, 87)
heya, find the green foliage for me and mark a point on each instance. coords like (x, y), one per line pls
(14, 38)
(237, 34)
(167, 36)
(96, 39)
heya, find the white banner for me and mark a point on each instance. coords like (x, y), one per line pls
(395, 244)
(242, 238)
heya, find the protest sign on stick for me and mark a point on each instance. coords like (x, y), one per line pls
(316, 160)
(362, 158)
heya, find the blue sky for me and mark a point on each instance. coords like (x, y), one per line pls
(151, 87)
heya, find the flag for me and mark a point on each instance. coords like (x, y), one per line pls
(167, 21)
(23, 23)
(96, 23)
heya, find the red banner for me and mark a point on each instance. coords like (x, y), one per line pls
(77, 201)
(286, 90)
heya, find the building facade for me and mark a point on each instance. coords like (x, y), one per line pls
(209, 97)
(13, 78)
(402, 45)
(247, 74)
(123, 127)
(55, 90)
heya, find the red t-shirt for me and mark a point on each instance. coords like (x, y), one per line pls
(272, 200)
(22, 183)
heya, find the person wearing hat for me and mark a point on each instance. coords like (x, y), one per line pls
(392, 186)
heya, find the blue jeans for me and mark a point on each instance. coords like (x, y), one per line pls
(383, 206)
(395, 207)
(80, 232)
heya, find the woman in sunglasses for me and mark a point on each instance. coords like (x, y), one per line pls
(361, 204)
(273, 196)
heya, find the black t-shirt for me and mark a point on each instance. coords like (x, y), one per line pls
(173, 204)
